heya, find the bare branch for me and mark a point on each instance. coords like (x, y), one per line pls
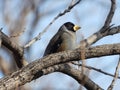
(15, 49)
(28, 73)
(80, 77)
(97, 36)
(98, 70)
(46, 28)
(113, 30)
(115, 77)
(110, 16)
(74, 73)
(105, 30)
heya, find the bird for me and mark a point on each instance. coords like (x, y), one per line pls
(64, 39)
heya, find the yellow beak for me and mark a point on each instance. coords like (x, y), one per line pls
(76, 27)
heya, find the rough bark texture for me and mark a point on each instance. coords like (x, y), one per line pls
(28, 73)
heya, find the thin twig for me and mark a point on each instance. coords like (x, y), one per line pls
(98, 70)
(115, 77)
(55, 18)
(110, 16)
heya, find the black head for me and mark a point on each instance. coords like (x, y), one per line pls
(69, 26)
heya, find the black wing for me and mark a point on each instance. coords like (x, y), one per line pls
(54, 43)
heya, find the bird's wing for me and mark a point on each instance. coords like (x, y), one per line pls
(54, 43)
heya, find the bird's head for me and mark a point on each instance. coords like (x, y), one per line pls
(70, 26)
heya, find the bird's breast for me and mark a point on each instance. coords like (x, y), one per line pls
(69, 42)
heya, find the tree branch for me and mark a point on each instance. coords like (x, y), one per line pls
(105, 30)
(113, 30)
(22, 76)
(80, 77)
(98, 35)
(115, 77)
(15, 49)
(74, 73)
(27, 73)
(110, 16)
(95, 69)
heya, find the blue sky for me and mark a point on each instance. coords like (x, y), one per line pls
(90, 15)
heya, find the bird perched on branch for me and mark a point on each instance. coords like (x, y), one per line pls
(64, 39)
